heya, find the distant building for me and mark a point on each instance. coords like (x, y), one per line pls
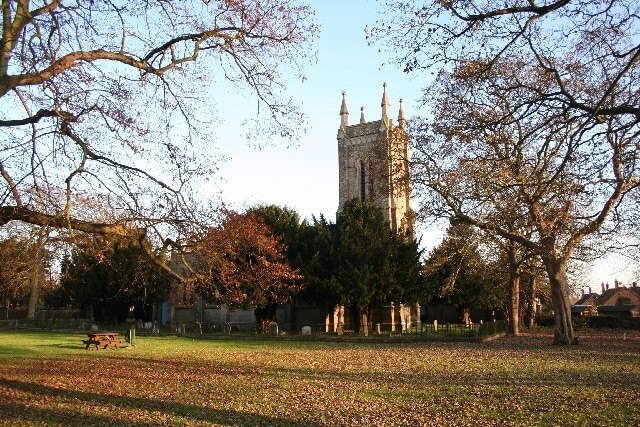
(586, 305)
(373, 164)
(619, 295)
(619, 301)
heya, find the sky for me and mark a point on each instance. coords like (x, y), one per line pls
(305, 178)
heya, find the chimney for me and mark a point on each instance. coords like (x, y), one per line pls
(602, 284)
(635, 285)
(589, 290)
(582, 291)
(615, 283)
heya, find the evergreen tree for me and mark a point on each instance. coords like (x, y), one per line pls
(317, 256)
(285, 225)
(374, 265)
(111, 276)
(456, 273)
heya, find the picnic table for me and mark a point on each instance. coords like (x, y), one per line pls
(102, 339)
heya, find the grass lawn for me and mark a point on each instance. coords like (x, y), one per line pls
(49, 379)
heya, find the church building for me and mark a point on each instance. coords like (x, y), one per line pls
(373, 164)
(374, 167)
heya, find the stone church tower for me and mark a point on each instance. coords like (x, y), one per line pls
(374, 165)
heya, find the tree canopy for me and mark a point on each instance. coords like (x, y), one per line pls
(241, 263)
(536, 122)
(374, 264)
(21, 262)
(456, 272)
(285, 225)
(110, 276)
(589, 50)
(318, 260)
(105, 106)
(357, 261)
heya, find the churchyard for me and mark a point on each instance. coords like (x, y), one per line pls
(48, 378)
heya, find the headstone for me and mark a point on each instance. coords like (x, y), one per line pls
(364, 325)
(306, 330)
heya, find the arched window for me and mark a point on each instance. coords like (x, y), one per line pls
(363, 181)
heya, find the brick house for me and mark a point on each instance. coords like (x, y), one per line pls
(620, 301)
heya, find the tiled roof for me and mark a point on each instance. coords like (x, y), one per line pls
(610, 296)
(587, 299)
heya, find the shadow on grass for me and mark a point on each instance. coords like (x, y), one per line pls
(14, 413)
(12, 351)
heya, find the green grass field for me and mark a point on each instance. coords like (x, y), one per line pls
(49, 379)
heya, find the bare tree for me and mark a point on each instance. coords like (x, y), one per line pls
(105, 108)
(546, 121)
(494, 157)
(24, 266)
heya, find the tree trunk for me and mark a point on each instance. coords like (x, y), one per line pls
(173, 301)
(35, 293)
(36, 275)
(514, 293)
(514, 305)
(557, 272)
(265, 316)
(466, 316)
(531, 305)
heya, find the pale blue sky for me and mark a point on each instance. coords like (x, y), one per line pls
(305, 178)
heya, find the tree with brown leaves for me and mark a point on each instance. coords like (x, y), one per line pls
(107, 103)
(539, 179)
(242, 264)
(536, 118)
(25, 263)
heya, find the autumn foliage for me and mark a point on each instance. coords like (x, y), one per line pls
(240, 263)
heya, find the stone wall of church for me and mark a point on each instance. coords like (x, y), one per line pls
(362, 146)
(373, 165)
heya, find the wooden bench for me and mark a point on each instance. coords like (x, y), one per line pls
(102, 339)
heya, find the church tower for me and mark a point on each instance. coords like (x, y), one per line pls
(373, 164)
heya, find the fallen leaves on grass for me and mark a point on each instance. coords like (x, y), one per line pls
(512, 381)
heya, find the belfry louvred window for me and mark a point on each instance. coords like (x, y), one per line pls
(363, 181)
